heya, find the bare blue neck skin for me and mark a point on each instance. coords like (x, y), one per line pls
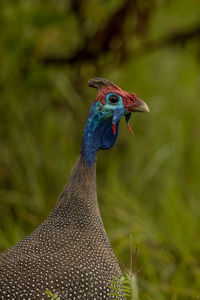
(98, 134)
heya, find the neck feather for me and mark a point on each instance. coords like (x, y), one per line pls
(97, 135)
(80, 190)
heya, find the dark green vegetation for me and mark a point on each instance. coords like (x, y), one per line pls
(148, 184)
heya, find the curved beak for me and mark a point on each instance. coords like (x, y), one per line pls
(138, 105)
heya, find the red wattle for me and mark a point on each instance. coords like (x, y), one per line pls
(114, 129)
(129, 127)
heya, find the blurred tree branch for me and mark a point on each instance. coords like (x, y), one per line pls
(91, 50)
(99, 42)
(175, 38)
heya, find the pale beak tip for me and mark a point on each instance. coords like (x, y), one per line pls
(137, 106)
(145, 108)
(140, 106)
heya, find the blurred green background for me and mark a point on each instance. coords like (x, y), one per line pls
(148, 184)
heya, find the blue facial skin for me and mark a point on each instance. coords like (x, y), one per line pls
(98, 132)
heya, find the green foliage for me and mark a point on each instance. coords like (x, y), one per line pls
(148, 184)
(127, 285)
(52, 296)
(121, 287)
(124, 287)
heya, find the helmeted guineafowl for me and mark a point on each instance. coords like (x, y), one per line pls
(69, 253)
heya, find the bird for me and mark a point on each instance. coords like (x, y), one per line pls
(70, 253)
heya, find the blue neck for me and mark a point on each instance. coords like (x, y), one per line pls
(97, 135)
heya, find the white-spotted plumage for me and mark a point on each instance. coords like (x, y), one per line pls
(69, 253)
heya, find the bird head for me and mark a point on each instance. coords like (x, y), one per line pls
(113, 103)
